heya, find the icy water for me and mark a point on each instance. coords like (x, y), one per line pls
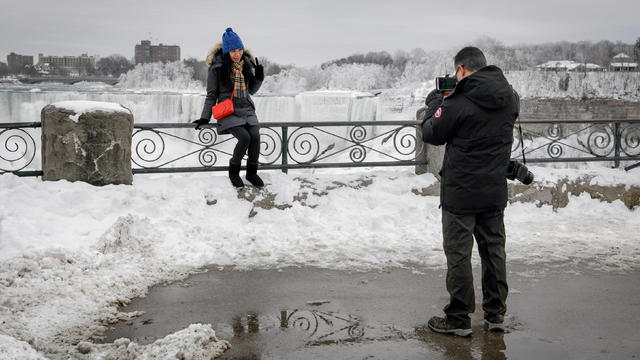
(23, 103)
(309, 313)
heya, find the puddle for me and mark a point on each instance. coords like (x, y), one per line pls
(308, 313)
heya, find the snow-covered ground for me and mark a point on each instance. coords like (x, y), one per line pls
(71, 253)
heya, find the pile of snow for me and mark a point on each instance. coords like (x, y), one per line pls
(197, 342)
(72, 253)
(11, 348)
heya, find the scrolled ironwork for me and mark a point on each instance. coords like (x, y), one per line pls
(207, 137)
(305, 144)
(207, 157)
(148, 149)
(407, 143)
(358, 134)
(554, 150)
(17, 146)
(314, 144)
(270, 142)
(554, 131)
(630, 140)
(358, 153)
(600, 141)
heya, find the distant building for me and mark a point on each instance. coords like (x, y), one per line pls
(623, 62)
(147, 53)
(75, 65)
(568, 65)
(16, 62)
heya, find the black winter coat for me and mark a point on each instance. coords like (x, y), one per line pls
(217, 91)
(476, 123)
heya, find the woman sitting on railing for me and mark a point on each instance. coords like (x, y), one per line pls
(234, 75)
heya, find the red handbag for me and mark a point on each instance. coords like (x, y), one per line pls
(224, 108)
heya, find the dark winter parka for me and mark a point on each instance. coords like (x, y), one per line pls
(476, 123)
(218, 90)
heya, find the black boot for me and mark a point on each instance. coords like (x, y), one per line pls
(252, 175)
(234, 175)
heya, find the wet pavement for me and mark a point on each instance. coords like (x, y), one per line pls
(309, 313)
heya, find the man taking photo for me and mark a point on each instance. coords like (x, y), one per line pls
(475, 121)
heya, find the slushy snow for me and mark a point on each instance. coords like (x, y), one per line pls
(72, 253)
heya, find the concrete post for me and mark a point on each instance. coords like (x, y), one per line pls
(87, 141)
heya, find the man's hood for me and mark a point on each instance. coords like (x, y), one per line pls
(215, 55)
(487, 88)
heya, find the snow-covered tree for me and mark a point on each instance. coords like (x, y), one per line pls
(169, 76)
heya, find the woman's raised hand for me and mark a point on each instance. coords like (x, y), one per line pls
(259, 71)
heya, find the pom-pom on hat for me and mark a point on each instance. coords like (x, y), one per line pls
(231, 41)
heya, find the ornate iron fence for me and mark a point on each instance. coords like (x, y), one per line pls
(19, 148)
(284, 146)
(170, 147)
(545, 141)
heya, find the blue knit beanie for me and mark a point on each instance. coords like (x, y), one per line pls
(231, 41)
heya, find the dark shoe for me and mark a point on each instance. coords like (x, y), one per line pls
(234, 176)
(494, 322)
(252, 176)
(440, 325)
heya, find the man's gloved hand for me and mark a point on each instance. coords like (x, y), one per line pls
(434, 98)
(259, 71)
(200, 122)
(433, 101)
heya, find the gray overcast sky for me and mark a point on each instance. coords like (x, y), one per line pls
(303, 32)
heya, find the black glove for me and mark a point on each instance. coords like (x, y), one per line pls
(200, 122)
(434, 98)
(433, 101)
(259, 71)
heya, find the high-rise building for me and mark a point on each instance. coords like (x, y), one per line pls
(17, 62)
(147, 53)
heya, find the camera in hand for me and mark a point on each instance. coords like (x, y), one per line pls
(517, 170)
(445, 84)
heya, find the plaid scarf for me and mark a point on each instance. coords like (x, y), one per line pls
(238, 80)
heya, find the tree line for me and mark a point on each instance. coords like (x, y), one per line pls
(518, 57)
(417, 62)
(428, 64)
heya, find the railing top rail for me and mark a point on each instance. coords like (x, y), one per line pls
(281, 124)
(573, 121)
(327, 123)
(20, 125)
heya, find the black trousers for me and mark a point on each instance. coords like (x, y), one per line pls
(248, 139)
(458, 233)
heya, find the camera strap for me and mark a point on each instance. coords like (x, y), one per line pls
(524, 160)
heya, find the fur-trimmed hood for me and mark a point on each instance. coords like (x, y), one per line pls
(215, 55)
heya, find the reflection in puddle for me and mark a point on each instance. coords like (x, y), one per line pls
(482, 344)
(318, 327)
(315, 328)
(323, 328)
